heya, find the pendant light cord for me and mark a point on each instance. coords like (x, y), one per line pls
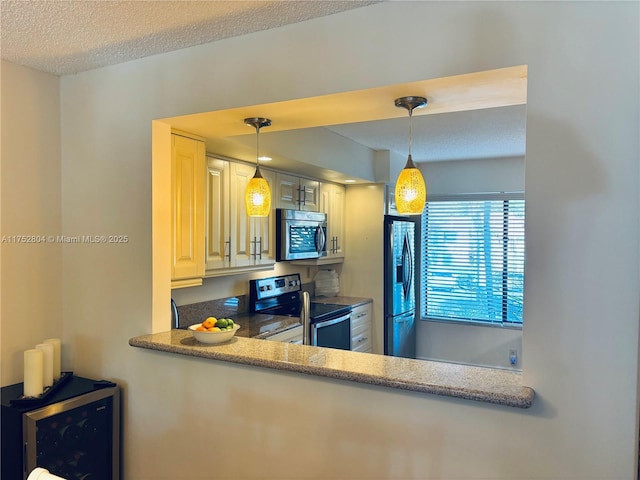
(258, 147)
(410, 130)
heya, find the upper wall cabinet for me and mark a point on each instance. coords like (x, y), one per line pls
(252, 238)
(297, 193)
(332, 202)
(235, 242)
(188, 193)
(218, 230)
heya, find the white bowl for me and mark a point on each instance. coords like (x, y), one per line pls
(213, 337)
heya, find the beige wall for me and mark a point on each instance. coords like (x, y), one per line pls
(188, 418)
(362, 274)
(31, 273)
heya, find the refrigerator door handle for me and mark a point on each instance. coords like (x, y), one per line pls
(407, 266)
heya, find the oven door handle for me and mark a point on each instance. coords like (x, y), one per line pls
(305, 318)
(331, 321)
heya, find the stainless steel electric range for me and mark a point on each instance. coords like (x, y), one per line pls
(329, 324)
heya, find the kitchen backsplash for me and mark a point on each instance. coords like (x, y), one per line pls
(221, 307)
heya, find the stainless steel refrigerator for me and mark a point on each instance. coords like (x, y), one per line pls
(399, 286)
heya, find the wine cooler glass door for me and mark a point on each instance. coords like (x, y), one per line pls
(76, 439)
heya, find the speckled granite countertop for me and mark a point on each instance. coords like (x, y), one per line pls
(461, 381)
(256, 325)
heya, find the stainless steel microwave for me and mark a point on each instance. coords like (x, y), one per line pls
(300, 234)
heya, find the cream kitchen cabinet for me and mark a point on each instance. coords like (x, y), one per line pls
(361, 327)
(297, 193)
(188, 193)
(235, 242)
(252, 238)
(332, 202)
(218, 230)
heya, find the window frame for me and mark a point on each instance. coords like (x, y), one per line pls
(421, 282)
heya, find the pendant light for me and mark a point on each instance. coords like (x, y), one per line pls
(410, 190)
(257, 196)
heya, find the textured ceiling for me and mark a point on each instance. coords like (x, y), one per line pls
(70, 36)
(472, 134)
(65, 37)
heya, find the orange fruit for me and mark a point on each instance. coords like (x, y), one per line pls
(209, 322)
(200, 328)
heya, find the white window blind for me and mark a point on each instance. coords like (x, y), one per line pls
(473, 258)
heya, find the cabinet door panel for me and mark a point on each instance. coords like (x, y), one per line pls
(187, 188)
(337, 221)
(265, 228)
(297, 193)
(286, 194)
(361, 318)
(218, 238)
(309, 195)
(242, 231)
(332, 202)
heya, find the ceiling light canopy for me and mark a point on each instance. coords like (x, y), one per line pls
(257, 196)
(410, 189)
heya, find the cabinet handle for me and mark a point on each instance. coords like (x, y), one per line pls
(253, 243)
(303, 192)
(260, 247)
(228, 255)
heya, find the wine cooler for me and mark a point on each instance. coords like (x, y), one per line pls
(74, 432)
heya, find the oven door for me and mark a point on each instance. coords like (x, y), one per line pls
(332, 333)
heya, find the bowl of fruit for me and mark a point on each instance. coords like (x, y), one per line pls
(214, 330)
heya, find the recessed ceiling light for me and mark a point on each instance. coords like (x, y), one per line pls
(265, 159)
(349, 181)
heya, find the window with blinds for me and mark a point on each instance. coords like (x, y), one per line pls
(473, 258)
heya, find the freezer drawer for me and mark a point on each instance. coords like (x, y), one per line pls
(400, 336)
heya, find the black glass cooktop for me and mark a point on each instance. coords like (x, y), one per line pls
(324, 311)
(317, 311)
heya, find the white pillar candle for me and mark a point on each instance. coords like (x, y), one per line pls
(57, 347)
(47, 356)
(42, 474)
(33, 372)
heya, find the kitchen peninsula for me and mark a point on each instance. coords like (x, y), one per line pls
(453, 380)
